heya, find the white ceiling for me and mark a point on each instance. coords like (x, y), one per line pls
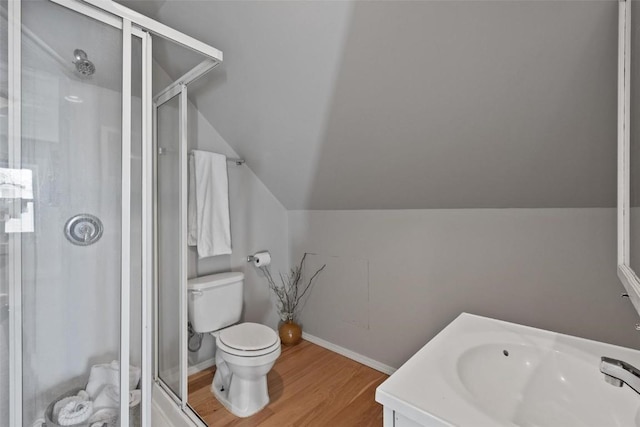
(398, 105)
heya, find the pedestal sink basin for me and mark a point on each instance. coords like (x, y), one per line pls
(484, 372)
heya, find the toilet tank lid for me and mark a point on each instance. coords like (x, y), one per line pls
(213, 280)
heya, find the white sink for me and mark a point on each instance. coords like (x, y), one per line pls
(484, 372)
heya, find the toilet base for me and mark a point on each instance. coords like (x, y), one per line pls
(241, 397)
(240, 381)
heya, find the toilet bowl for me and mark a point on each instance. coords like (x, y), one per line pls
(245, 354)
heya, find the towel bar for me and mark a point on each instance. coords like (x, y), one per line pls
(162, 151)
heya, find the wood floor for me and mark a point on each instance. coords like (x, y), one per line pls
(308, 386)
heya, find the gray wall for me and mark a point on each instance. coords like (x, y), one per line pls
(395, 278)
(258, 222)
(460, 104)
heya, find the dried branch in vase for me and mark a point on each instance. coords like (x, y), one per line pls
(290, 292)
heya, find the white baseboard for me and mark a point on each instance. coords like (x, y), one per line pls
(194, 369)
(385, 369)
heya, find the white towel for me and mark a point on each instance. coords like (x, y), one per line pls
(209, 226)
(135, 397)
(109, 397)
(75, 412)
(192, 217)
(109, 374)
(82, 396)
(106, 417)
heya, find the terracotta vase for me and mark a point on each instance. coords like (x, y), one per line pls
(290, 333)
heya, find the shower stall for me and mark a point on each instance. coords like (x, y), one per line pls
(77, 268)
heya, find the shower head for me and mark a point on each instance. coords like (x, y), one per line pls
(82, 63)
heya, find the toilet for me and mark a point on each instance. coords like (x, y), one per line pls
(245, 352)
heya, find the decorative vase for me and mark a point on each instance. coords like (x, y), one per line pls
(290, 333)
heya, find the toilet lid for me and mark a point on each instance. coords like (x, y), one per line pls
(248, 337)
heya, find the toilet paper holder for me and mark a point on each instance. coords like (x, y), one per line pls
(260, 259)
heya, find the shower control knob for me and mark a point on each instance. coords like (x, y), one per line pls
(83, 229)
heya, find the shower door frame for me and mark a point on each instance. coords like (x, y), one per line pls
(626, 274)
(132, 24)
(178, 88)
(159, 101)
(14, 131)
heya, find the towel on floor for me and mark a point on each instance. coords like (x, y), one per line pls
(107, 374)
(57, 407)
(135, 397)
(209, 227)
(109, 397)
(105, 418)
(74, 411)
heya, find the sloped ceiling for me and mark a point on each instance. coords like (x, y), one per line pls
(399, 105)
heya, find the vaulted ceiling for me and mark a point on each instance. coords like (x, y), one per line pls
(411, 104)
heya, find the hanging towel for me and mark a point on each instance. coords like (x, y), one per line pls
(209, 227)
(192, 217)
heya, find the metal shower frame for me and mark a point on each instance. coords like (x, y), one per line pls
(132, 24)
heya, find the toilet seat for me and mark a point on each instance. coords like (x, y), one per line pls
(248, 340)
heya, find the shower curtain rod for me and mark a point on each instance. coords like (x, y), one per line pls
(238, 162)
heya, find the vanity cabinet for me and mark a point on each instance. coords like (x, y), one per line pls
(396, 419)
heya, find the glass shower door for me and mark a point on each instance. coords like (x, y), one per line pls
(71, 221)
(169, 246)
(171, 187)
(75, 205)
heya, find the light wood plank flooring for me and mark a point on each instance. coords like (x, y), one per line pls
(309, 386)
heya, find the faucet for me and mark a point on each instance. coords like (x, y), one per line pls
(617, 372)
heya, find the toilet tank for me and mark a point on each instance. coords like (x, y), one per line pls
(215, 301)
